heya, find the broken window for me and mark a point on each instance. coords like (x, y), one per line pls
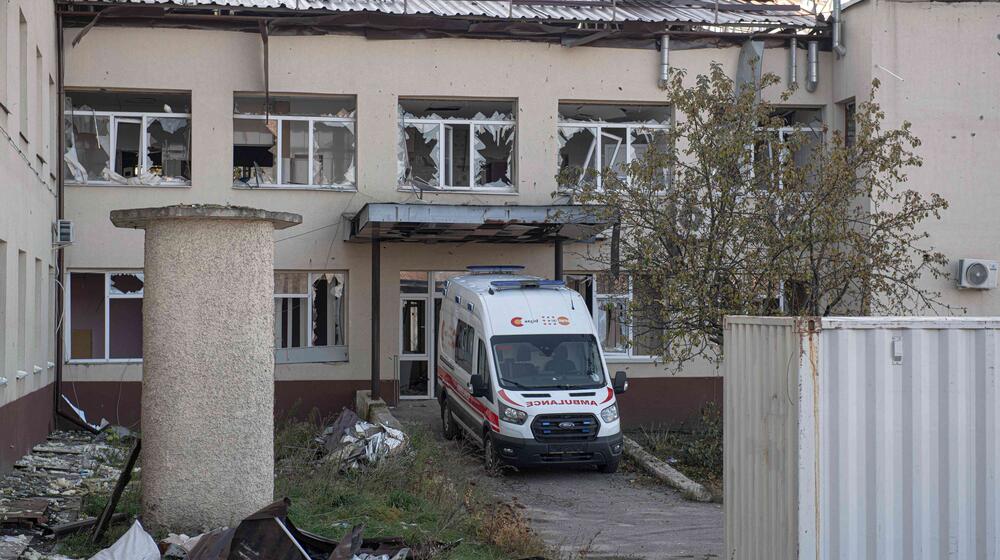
(619, 330)
(457, 144)
(105, 316)
(310, 309)
(594, 137)
(801, 126)
(117, 138)
(306, 141)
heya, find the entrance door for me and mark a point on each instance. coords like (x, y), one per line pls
(420, 305)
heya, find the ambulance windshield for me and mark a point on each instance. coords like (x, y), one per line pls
(548, 361)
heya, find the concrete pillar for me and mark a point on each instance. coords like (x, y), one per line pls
(208, 363)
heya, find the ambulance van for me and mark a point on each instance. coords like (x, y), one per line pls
(521, 371)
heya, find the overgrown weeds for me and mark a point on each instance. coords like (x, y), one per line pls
(695, 450)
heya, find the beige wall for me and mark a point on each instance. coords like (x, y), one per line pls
(944, 57)
(213, 65)
(27, 199)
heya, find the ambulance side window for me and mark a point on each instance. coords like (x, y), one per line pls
(464, 339)
(483, 368)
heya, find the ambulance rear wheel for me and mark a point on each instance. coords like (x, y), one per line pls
(448, 428)
(611, 466)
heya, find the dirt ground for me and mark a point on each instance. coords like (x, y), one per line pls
(596, 515)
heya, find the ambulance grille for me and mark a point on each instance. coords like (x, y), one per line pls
(565, 427)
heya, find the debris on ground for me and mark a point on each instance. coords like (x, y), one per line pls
(135, 544)
(353, 442)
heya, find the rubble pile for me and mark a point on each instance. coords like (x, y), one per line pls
(352, 442)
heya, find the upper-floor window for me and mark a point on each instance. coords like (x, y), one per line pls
(595, 137)
(457, 144)
(128, 138)
(297, 141)
(799, 127)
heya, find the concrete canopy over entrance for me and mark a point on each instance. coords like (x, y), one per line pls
(378, 223)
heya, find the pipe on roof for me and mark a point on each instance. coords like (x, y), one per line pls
(838, 47)
(793, 62)
(812, 66)
(664, 61)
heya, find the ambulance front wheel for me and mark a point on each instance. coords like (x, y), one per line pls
(611, 466)
(448, 428)
(491, 459)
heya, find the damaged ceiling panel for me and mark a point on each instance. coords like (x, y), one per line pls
(724, 13)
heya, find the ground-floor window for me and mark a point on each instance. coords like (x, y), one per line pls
(105, 316)
(310, 313)
(622, 333)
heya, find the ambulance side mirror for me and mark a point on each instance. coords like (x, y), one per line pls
(478, 385)
(621, 382)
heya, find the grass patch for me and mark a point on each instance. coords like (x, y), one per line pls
(695, 450)
(425, 496)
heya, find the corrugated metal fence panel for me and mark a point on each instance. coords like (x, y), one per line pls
(760, 434)
(909, 445)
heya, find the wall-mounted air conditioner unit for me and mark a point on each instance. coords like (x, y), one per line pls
(62, 233)
(977, 274)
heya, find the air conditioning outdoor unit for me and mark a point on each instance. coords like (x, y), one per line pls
(977, 274)
(62, 233)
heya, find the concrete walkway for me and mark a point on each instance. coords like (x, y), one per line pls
(599, 515)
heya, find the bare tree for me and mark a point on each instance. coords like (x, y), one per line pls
(736, 211)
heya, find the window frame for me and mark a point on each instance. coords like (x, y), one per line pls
(113, 117)
(310, 353)
(108, 296)
(629, 353)
(311, 120)
(440, 123)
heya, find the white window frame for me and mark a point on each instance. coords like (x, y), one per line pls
(310, 353)
(144, 120)
(281, 119)
(108, 296)
(597, 127)
(629, 352)
(441, 149)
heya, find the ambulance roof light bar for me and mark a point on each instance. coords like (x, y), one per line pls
(494, 268)
(522, 284)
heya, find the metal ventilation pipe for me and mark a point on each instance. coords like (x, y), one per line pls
(838, 47)
(793, 62)
(664, 60)
(812, 66)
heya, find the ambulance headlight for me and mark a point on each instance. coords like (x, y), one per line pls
(610, 414)
(512, 415)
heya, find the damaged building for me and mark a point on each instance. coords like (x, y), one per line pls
(416, 138)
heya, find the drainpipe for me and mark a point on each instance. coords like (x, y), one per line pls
(812, 66)
(838, 47)
(60, 212)
(664, 61)
(793, 62)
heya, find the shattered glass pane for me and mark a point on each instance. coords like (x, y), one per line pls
(611, 323)
(457, 109)
(168, 152)
(127, 283)
(254, 148)
(577, 150)
(128, 134)
(88, 147)
(643, 139)
(329, 310)
(494, 155)
(295, 152)
(618, 114)
(456, 155)
(422, 153)
(333, 153)
(297, 105)
(130, 101)
(613, 149)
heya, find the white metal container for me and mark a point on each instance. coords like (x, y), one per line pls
(861, 438)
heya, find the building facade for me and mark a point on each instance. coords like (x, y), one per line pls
(397, 120)
(28, 208)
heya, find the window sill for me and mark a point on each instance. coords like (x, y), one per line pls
(295, 188)
(458, 190)
(119, 185)
(97, 361)
(626, 359)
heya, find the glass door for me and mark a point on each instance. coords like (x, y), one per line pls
(420, 295)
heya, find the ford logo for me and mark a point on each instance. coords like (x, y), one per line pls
(567, 425)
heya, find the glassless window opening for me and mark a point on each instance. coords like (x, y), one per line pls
(608, 300)
(594, 137)
(310, 309)
(456, 144)
(105, 316)
(304, 141)
(136, 139)
(548, 361)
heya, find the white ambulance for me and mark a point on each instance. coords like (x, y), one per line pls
(520, 369)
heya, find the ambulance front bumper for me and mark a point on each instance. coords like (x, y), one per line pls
(520, 452)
